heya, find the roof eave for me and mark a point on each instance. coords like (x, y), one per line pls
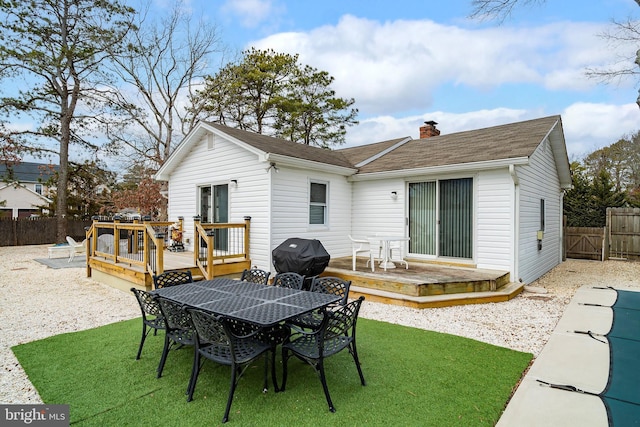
(281, 160)
(441, 170)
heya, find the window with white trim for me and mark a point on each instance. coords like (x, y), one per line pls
(38, 188)
(318, 203)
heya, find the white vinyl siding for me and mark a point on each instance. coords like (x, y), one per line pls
(290, 209)
(376, 211)
(532, 262)
(250, 197)
(494, 220)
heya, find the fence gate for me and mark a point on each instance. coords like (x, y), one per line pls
(585, 242)
(624, 233)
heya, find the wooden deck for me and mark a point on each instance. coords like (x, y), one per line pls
(424, 284)
(123, 275)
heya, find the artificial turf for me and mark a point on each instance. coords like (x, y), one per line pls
(414, 377)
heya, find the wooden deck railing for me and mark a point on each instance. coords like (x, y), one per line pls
(218, 244)
(141, 245)
(136, 244)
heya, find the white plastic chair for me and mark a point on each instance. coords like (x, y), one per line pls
(361, 246)
(76, 248)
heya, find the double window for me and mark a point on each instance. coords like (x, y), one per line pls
(318, 203)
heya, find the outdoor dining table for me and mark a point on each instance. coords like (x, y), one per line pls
(385, 241)
(262, 305)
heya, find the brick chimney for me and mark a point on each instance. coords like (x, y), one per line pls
(429, 129)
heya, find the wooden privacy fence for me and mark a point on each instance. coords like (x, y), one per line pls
(37, 231)
(619, 239)
(623, 226)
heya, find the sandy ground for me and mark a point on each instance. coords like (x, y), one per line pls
(38, 302)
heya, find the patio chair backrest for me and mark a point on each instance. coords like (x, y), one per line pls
(333, 286)
(209, 328)
(174, 316)
(148, 305)
(255, 275)
(172, 278)
(288, 280)
(339, 323)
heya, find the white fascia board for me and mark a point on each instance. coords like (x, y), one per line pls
(441, 170)
(279, 159)
(198, 132)
(559, 150)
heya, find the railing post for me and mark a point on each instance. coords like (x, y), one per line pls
(159, 253)
(247, 223)
(94, 241)
(116, 238)
(196, 239)
(210, 244)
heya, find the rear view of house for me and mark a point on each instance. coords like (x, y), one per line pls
(488, 198)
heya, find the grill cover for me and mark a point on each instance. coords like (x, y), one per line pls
(303, 256)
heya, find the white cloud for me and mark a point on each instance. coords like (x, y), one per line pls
(396, 66)
(589, 126)
(250, 12)
(396, 69)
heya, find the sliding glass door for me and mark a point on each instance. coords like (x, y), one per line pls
(441, 218)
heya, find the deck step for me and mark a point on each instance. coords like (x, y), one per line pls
(504, 293)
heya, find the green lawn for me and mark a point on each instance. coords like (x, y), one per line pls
(414, 378)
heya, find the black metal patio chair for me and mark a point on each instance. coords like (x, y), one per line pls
(336, 333)
(288, 280)
(255, 275)
(325, 285)
(226, 342)
(172, 278)
(152, 319)
(179, 329)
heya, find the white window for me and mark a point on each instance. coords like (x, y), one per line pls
(39, 188)
(318, 203)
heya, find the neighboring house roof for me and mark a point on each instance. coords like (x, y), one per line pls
(482, 148)
(27, 172)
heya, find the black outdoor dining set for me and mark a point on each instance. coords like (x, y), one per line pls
(235, 322)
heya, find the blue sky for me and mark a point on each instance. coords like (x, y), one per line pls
(407, 61)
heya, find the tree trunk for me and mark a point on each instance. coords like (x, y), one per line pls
(63, 177)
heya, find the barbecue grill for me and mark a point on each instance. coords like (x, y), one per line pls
(303, 256)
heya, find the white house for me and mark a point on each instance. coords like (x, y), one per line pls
(23, 187)
(490, 198)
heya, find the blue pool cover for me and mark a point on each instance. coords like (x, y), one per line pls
(621, 396)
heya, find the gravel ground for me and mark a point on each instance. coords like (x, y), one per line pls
(38, 302)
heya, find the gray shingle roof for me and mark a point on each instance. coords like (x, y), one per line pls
(363, 152)
(283, 147)
(515, 140)
(27, 172)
